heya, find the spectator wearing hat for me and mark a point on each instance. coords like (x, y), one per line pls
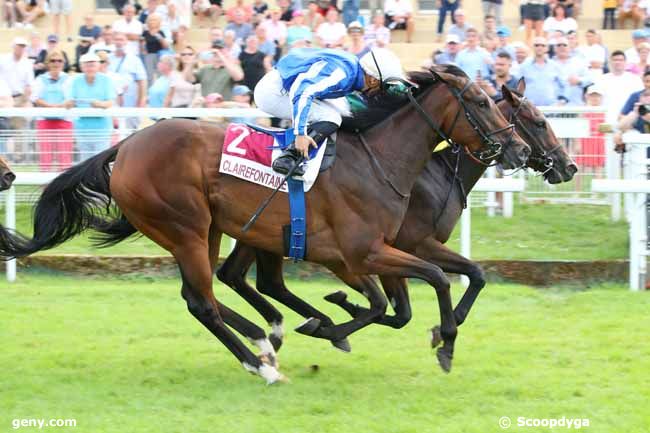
(55, 148)
(503, 42)
(52, 45)
(58, 8)
(313, 17)
(446, 7)
(501, 77)
(575, 72)
(132, 70)
(460, 25)
(639, 36)
(182, 89)
(544, 80)
(331, 33)
(276, 29)
(559, 22)
(356, 43)
(241, 98)
(474, 60)
(219, 76)
(450, 52)
(399, 15)
(241, 28)
(93, 89)
(298, 31)
(591, 151)
(131, 27)
(493, 8)
(253, 62)
(630, 10)
(376, 33)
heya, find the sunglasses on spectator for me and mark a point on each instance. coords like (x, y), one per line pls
(540, 45)
(561, 45)
(187, 54)
(102, 61)
(56, 61)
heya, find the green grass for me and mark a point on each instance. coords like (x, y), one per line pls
(125, 356)
(567, 232)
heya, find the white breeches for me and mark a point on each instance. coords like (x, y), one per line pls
(273, 99)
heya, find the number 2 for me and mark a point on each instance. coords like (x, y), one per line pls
(232, 147)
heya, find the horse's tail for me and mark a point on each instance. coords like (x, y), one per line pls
(74, 201)
(113, 232)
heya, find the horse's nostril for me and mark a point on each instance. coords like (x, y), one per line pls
(9, 177)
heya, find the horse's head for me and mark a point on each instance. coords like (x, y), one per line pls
(473, 120)
(7, 177)
(548, 155)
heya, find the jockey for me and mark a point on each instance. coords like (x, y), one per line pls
(305, 86)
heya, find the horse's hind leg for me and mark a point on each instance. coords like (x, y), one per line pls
(233, 273)
(196, 271)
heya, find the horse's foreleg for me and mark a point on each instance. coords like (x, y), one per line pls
(387, 261)
(434, 251)
(233, 273)
(396, 291)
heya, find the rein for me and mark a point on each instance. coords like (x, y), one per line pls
(380, 168)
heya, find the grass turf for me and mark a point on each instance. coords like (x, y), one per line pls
(535, 232)
(124, 355)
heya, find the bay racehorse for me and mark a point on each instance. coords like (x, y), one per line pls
(437, 201)
(165, 181)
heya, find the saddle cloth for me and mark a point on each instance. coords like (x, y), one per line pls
(248, 152)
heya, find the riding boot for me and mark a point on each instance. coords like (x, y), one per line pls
(319, 131)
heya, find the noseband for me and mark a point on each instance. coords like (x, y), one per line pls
(491, 149)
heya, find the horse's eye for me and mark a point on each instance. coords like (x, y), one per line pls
(483, 104)
(541, 124)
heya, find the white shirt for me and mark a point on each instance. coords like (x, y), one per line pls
(565, 26)
(275, 31)
(632, 55)
(617, 89)
(398, 8)
(595, 52)
(17, 74)
(331, 33)
(134, 27)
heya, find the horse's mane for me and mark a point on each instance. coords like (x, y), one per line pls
(382, 105)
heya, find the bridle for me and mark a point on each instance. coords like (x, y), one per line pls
(539, 155)
(491, 148)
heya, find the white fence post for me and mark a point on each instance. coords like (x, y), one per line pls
(10, 223)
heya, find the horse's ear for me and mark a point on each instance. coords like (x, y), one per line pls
(438, 75)
(521, 86)
(508, 96)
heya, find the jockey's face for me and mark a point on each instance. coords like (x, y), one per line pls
(371, 84)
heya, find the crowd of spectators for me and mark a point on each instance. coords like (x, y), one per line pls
(144, 59)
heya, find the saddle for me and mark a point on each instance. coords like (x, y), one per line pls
(284, 137)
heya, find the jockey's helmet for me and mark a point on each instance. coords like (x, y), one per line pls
(382, 64)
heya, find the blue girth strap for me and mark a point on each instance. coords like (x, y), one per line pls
(298, 215)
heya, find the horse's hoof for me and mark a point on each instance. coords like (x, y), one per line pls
(444, 359)
(309, 326)
(336, 297)
(342, 345)
(436, 338)
(276, 342)
(271, 374)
